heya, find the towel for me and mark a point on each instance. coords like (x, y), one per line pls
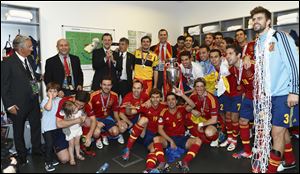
(20, 13)
(18, 19)
(211, 28)
(194, 30)
(288, 16)
(288, 21)
(234, 27)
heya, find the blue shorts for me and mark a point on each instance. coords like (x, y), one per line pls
(282, 115)
(148, 138)
(109, 122)
(221, 101)
(135, 119)
(60, 142)
(233, 104)
(180, 141)
(247, 109)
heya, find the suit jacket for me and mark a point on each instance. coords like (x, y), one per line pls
(15, 84)
(54, 70)
(102, 69)
(129, 65)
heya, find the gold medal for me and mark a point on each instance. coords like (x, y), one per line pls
(105, 113)
(216, 86)
(239, 87)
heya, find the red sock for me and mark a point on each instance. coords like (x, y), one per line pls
(159, 152)
(191, 153)
(222, 124)
(135, 133)
(228, 128)
(245, 137)
(274, 162)
(289, 156)
(151, 161)
(235, 130)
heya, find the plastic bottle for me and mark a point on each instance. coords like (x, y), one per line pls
(103, 168)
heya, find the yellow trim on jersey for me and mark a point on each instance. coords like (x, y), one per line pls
(197, 120)
(212, 100)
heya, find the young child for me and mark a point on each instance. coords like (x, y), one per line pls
(49, 108)
(74, 132)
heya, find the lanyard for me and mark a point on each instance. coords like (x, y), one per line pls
(102, 101)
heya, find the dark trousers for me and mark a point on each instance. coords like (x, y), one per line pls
(49, 138)
(123, 87)
(32, 113)
(160, 80)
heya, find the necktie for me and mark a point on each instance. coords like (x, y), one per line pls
(162, 52)
(28, 70)
(67, 70)
(121, 56)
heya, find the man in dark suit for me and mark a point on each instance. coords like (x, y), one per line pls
(20, 94)
(104, 63)
(64, 69)
(124, 66)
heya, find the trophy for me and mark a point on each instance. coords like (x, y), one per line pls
(172, 73)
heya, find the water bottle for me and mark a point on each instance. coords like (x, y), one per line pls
(103, 168)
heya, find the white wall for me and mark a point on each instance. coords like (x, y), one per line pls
(122, 16)
(207, 11)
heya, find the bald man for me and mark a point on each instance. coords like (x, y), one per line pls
(64, 69)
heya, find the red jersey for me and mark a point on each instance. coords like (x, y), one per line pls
(247, 81)
(173, 123)
(152, 114)
(133, 101)
(102, 109)
(248, 50)
(232, 80)
(87, 108)
(208, 105)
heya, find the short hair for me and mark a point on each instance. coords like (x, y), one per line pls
(237, 49)
(19, 41)
(200, 79)
(190, 37)
(260, 9)
(218, 33)
(205, 46)
(52, 85)
(171, 93)
(229, 40)
(106, 78)
(240, 30)
(124, 39)
(107, 34)
(185, 53)
(155, 91)
(180, 38)
(146, 37)
(82, 96)
(216, 50)
(138, 81)
(163, 30)
(68, 108)
(209, 34)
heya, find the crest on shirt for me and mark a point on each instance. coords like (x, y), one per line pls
(160, 120)
(271, 46)
(248, 73)
(178, 115)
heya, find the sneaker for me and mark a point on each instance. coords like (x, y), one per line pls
(99, 144)
(121, 139)
(183, 166)
(90, 152)
(231, 146)
(214, 143)
(55, 162)
(255, 167)
(126, 154)
(105, 141)
(49, 167)
(225, 143)
(242, 154)
(283, 166)
(163, 167)
(151, 171)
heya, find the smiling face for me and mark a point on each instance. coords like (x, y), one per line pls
(260, 22)
(200, 88)
(106, 86)
(171, 101)
(163, 36)
(137, 88)
(63, 46)
(107, 41)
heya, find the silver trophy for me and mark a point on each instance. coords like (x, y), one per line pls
(173, 73)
